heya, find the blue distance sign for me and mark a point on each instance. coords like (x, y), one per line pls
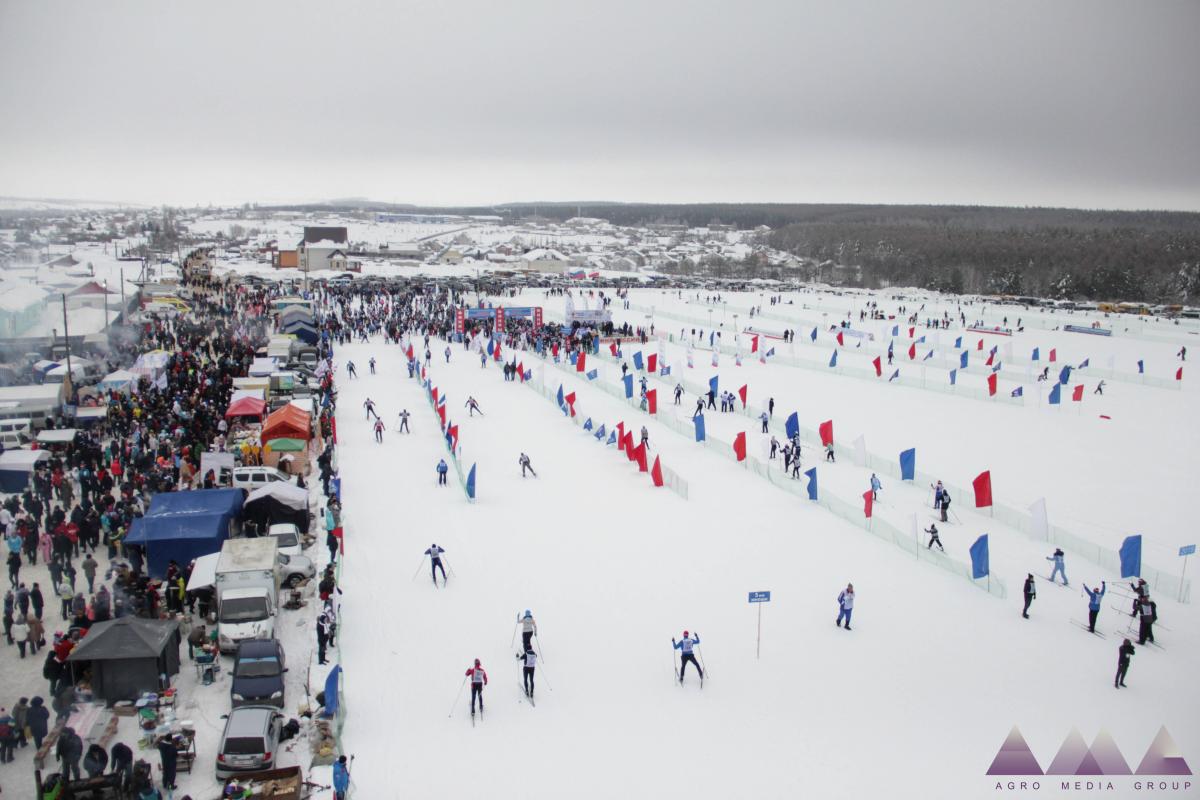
(760, 597)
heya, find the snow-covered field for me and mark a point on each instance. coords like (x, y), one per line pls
(914, 702)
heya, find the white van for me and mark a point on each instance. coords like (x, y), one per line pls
(16, 433)
(251, 478)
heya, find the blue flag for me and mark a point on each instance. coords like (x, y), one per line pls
(471, 483)
(770, 352)
(921, 340)
(587, 424)
(833, 359)
(1036, 356)
(997, 367)
(628, 379)
(449, 441)
(1131, 556)
(600, 433)
(1056, 394)
(560, 396)
(596, 345)
(908, 464)
(712, 383)
(953, 376)
(812, 483)
(962, 361)
(792, 426)
(528, 374)
(1086, 361)
(665, 370)
(491, 347)
(698, 421)
(573, 357)
(592, 374)
(637, 360)
(895, 332)
(1018, 392)
(712, 335)
(1065, 375)
(958, 343)
(928, 356)
(979, 558)
(1141, 366)
(612, 438)
(813, 335)
(895, 375)
(332, 698)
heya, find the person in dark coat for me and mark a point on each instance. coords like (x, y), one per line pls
(1030, 594)
(122, 763)
(1123, 656)
(69, 750)
(170, 758)
(38, 720)
(95, 761)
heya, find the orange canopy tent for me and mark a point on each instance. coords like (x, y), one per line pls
(289, 422)
(246, 407)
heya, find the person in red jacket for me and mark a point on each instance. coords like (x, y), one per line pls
(479, 679)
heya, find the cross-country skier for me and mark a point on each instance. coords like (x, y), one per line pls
(1149, 612)
(829, 453)
(447, 354)
(530, 659)
(775, 448)
(435, 562)
(1141, 591)
(712, 399)
(678, 393)
(479, 679)
(371, 364)
(1030, 594)
(442, 469)
(765, 419)
(876, 486)
(933, 538)
(686, 657)
(341, 779)
(482, 364)
(378, 430)
(1099, 388)
(1123, 656)
(771, 406)
(404, 421)
(796, 463)
(524, 462)
(699, 412)
(1094, 596)
(1059, 566)
(528, 629)
(645, 437)
(350, 370)
(369, 405)
(945, 506)
(845, 605)
(472, 406)
(937, 497)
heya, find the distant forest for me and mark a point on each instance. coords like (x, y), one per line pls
(1151, 256)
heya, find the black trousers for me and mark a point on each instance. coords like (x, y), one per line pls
(1028, 602)
(1122, 668)
(1092, 614)
(1145, 631)
(685, 660)
(528, 679)
(476, 691)
(434, 566)
(526, 639)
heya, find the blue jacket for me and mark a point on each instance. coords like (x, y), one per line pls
(441, 467)
(686, 644)
(1094, 597)
(341, 777)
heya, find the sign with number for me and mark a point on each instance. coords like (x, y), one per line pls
(760, 597)
(1187, 550)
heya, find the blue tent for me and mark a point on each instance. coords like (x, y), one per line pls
(181, 526)
(302, 331)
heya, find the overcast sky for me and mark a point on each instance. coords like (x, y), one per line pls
(1091, 104)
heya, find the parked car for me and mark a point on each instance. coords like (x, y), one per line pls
(250, 740)
(287, 537)
(251, 478)
(258, 668)
(294, 569)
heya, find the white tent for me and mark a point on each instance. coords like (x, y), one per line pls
(204, 572)
(120, 381)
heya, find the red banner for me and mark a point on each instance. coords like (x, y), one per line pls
(826, 431)
(652, 400)
(739, 446)
(868, 503)
(983, 489)
(656, 473)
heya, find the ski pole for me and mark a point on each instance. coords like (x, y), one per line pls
(457, 696)
(546, 679)
(418, 572)
(701, 656)
(452, 572)
(512, 642)
(541, 650)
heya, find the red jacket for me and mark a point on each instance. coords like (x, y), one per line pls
(472, 671)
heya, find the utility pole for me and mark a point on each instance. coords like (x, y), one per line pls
(67, 341)
(106, 304)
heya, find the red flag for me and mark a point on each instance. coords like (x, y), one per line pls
(742, 393)
(878, 366)
(1077, 395)
(980, 345)
(840, 340)
(656, 473)
(581, 362)
(629, 447)
(333, 428)
(983, 489)
(1179, 374)
(868, 503)
(912, 351)
(652, 362)
(639, 455)
(338, 534)
(554, 349)
(571, 402)
(497, 353)
(1053, 355)
(739, 446)
(409, 353)
(911, 332)
(620, 435)
(991, 358)
(612, 348)
(442, 413)
(826, 431)
(652, 400)
(453, 431)
(422, 373)
(754, 344)
(992, 385)
(434, 392)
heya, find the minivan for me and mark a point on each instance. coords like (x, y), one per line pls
(250, 741)
(251, 478)
(15, 433)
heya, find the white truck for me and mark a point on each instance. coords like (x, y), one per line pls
(247, 590)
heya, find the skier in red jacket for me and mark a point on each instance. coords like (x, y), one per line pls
(478, 680)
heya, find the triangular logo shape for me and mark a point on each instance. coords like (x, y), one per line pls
(1163, 757)
(1071, 755)
(1107, 756)
(1015, 757)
